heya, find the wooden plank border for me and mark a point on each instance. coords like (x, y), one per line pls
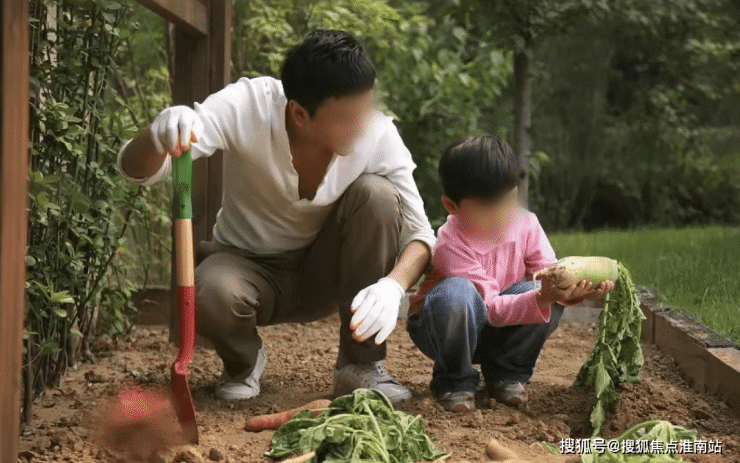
(709, 362)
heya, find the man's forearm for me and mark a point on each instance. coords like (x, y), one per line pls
(140, 158)
(411, 264)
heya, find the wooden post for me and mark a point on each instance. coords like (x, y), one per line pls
(13, 214)
(220, 50)
(202, 67)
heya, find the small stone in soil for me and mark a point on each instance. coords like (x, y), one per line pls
(27, 455)
(187, 456)
(215, 455)
(92, 377)
(475, 420)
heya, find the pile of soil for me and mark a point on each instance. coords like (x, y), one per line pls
(299, 370)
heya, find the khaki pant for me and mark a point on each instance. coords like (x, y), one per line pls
(237, 291)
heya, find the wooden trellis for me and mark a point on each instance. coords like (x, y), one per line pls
(202, 66)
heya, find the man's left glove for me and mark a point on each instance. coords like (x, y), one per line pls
(375, 310)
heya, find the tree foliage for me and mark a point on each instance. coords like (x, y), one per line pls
(634, 102)
(87, 97)
(439, 81)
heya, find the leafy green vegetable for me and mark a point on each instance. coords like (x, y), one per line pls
(617, 356)
(640, 435)
(359, 427)
(552, 448)
(648, 431)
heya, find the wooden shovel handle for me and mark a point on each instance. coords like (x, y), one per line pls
(182, 215)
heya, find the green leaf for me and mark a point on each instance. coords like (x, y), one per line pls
(80, 202)
(61, 313)
(49, 348)
(42, 200)
(597, 417)
(552, 448)
(602, 381)
(30, 261)
(460, 34)
(61, 297)
(75, 332)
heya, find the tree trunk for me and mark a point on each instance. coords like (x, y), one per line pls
(522, 119)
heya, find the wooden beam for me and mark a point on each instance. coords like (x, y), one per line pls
(191, 15)
(220, 76)
(13, 216)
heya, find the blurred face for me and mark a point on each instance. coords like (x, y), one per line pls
(485, 219)
(338, 122)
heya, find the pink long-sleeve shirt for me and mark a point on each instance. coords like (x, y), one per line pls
(492, 266)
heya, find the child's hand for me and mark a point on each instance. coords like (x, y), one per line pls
(585, 290)
(581, 292)
(548, 294)
(606, 286)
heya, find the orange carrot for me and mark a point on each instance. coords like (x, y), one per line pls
(275, 420)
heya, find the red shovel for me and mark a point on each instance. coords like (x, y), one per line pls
(182, 215)
(141, 421)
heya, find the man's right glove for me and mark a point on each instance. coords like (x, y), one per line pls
(174, 129)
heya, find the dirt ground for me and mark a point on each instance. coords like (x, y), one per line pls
(299, 369)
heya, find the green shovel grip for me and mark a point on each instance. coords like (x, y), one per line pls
(182, 174)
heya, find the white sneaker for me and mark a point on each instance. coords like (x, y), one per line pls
(246, 389)
(369, 376)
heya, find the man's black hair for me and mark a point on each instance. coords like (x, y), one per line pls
(328, 63)
(482, 167)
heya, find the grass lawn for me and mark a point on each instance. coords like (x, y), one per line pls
(694, 269)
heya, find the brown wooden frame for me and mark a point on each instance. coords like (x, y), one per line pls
(14, 88)
(191, 15)
(203, 66)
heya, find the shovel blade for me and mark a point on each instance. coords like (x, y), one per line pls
(184, 406)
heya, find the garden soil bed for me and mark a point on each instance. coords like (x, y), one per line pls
(299, 369)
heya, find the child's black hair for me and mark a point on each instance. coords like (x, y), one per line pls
(482, 167)
(328, 63)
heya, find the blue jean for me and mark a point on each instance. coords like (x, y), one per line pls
(451, 328)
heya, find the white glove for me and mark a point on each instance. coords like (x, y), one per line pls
(174, 129)
(375, 310)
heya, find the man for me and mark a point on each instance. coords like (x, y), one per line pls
(320, 212)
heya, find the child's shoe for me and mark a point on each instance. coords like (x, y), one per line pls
(462, 401)
(512, 394)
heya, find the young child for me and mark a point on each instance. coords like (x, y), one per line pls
(475, 306)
